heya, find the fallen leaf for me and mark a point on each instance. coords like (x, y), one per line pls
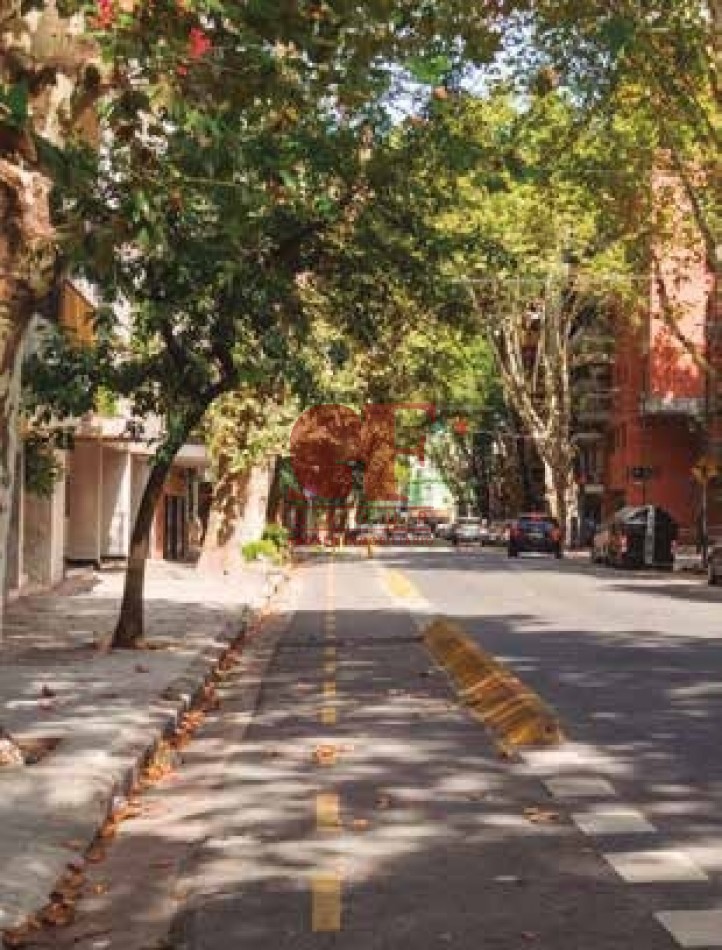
(139, 668)
(360, 824)
(47, 692)
(383, 801)
(126, 812)
(74, 844)
(100, 888)
(325, 754)
(58, 914)
(529, 935)
(96, 854)
(540, 815)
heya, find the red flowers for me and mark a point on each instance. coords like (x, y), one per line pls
(198, 43)
(106, 13)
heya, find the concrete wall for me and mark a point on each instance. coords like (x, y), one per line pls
(14, 572)
(44, 535)
(84, 476)
(115, 512)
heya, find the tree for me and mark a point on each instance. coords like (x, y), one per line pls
(246, 163)
(657, 66)
(246, 431)
(515, 216)
(49, 80)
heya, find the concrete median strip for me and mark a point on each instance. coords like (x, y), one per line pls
(515, 715)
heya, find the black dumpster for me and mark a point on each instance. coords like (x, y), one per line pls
(641, 536)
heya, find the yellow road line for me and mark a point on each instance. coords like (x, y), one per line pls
(328, 811)
(515, 714)
(329, 667)
(329, 688)
(330, 653)
(326, 902)
(329, 716)
(400, 586)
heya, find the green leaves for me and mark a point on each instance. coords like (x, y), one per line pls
(14, 111)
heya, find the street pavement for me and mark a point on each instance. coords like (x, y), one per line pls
(352, 802)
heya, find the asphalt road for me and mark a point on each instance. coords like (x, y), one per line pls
(357, 805)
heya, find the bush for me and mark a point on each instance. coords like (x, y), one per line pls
(277, 534)
(255, 550)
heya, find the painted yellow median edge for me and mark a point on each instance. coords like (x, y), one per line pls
(516, 716)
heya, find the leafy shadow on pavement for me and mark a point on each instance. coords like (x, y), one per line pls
(435, 842)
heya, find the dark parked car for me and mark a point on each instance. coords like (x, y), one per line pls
(467, 531)
(637, 536)
(714, 562)
(444, 530)
(535, 533)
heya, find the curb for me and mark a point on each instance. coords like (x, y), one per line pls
(514, 714)
(110, 790)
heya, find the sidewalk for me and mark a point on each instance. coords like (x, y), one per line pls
(106, 709)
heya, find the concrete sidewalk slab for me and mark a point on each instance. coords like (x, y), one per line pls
(107, 709)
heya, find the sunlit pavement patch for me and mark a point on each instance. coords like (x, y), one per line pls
(693, 928)
(579, 787)
(612, 820)
(654, 867)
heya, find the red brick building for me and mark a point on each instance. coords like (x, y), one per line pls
(661, 424)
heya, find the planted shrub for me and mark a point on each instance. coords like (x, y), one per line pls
(256, 550)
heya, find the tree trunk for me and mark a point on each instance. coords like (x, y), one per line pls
(10, 367)
(129, 629)
(275, 495)
(560, 493)
(238, 515)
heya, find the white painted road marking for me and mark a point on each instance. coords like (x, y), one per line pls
(693, 928)
(579, 787)
(612, 820)
(654, 867)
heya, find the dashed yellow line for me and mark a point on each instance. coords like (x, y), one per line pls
(329, 667)
(328, 811)
(330, 653)
(329, 716)
(326, 902)
(329, 688)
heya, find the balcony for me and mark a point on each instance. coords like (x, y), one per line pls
(672, 406)
(592, 408)
(591, 351)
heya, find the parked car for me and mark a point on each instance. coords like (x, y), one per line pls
(365, 533)
(498, 533)
(534, 533)
(421, 533)
(398, 534)
(714, 563)
(637, 536)
(467, 531)
(444, 530)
